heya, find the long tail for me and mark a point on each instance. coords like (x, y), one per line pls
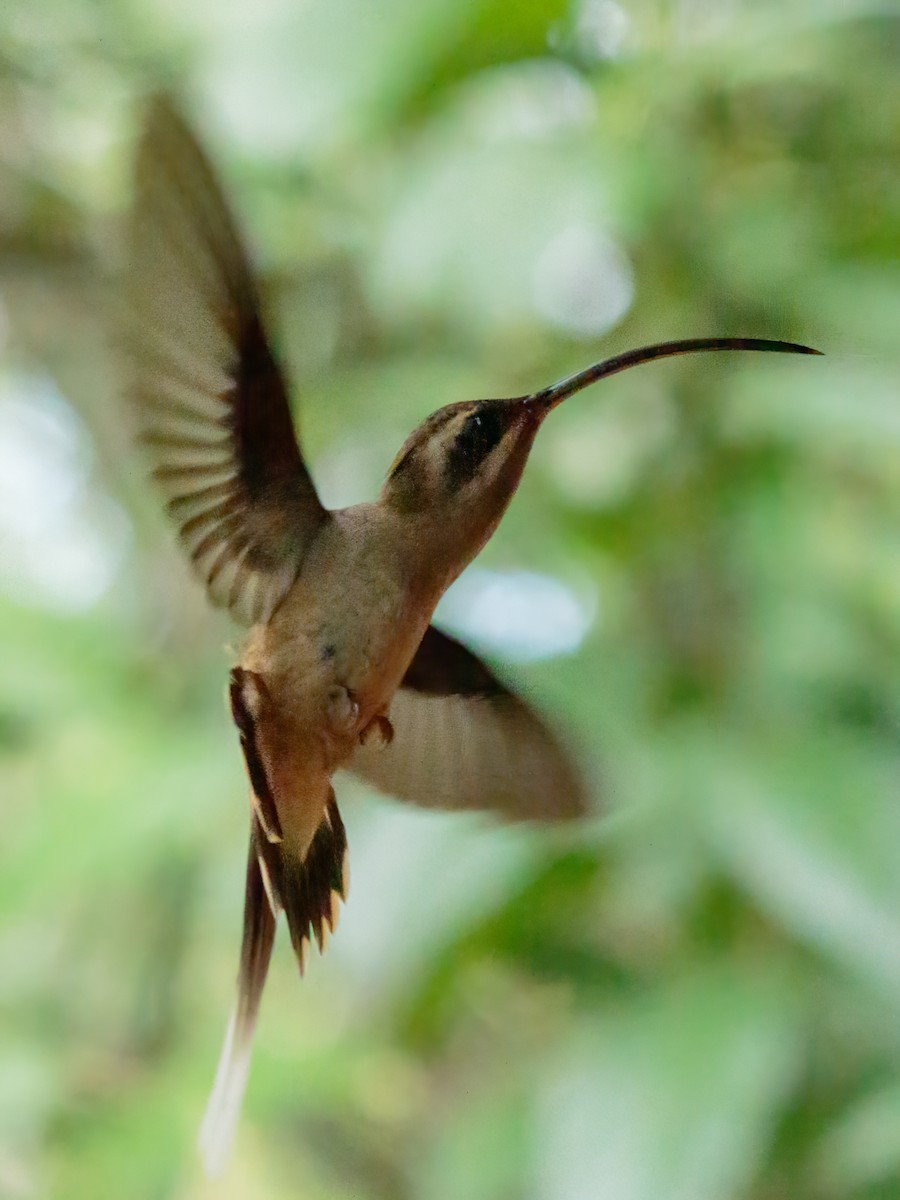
(307, 883)
(309, 891)
(224, 1106)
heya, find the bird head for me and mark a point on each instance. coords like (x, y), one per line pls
(461, 456)
(457, 472)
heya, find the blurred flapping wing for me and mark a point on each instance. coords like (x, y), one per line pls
(464, 741)
(211, 401)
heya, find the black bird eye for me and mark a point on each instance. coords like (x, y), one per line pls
(480, 433)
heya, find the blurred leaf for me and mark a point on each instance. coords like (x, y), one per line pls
(812, 836)
(861, 1148)
(674, 1098)
(693, 996)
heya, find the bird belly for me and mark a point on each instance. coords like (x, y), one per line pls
(302, 726)
(354, 629)
(331, 658)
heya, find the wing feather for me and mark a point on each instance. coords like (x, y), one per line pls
(211, 400)
(463, 740)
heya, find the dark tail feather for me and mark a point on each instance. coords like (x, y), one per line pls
(310, 890)
(248, 696)
(223, 1109)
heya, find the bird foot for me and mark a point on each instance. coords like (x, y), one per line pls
(343, 709)
(379, 732)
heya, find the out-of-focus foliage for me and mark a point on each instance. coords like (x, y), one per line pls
(697, 995)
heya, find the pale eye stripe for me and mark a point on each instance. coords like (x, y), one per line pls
(437, 448)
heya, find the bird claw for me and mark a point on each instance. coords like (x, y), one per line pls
(343, 709)
(379, 731)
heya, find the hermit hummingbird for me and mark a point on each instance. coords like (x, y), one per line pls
(341, 666)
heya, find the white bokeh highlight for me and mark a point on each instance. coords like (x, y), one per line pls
(61, 543)
(522, 616)
(582, 282)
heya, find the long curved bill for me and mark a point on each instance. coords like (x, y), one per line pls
(550, 396)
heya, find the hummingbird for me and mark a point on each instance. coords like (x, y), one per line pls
(341, 666)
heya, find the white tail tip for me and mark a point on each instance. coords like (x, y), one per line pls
(220, 1120)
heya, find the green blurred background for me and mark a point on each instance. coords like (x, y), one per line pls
(696, 996)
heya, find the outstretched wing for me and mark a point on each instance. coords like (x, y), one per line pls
(464, 741)
(211, 400)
